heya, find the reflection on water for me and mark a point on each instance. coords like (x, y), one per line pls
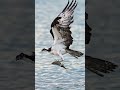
(53, 77)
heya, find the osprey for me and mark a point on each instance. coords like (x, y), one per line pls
(60, 31)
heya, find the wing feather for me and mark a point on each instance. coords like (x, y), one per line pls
(62, 23)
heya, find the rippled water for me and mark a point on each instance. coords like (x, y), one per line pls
(52, 77)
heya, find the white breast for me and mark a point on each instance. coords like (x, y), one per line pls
(54, 52)
(58, 48)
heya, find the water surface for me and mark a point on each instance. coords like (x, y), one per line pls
(52, 77)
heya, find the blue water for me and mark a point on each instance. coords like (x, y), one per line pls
(52, 77)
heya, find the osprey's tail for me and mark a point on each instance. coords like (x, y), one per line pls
(99, 66)
(74, 53)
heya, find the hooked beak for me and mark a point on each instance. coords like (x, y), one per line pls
(44, 49)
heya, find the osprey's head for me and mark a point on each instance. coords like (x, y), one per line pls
(20, 56)
(49, 49)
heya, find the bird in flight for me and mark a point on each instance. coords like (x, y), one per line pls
(60, 31)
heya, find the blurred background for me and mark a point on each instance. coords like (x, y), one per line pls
(17, 34)
(103, 18)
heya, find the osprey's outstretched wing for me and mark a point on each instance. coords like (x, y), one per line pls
(60, 27)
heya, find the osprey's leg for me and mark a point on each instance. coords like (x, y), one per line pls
(61, 56)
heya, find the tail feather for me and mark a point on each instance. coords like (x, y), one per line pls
(97, 65)
(74, 53)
